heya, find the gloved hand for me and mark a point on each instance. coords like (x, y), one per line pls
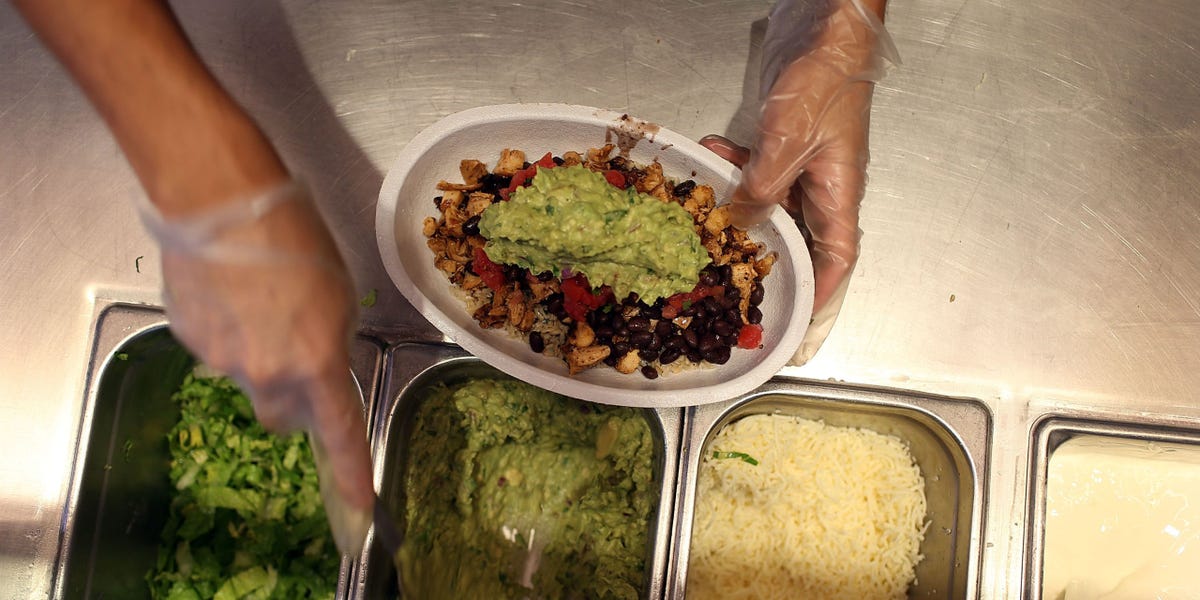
(820, 59)
(256, 288)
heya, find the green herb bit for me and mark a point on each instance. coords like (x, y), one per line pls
(369, 300)
(122, 356)
(742, 455)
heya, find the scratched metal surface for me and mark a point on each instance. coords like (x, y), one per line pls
(1029, 227)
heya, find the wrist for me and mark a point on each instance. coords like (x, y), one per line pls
(219, 157)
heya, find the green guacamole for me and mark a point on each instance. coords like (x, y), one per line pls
(571, 217)
(514, 492)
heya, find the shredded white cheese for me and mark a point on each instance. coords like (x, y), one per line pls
(828, 512)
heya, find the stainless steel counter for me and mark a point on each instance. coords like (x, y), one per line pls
(1029, 225)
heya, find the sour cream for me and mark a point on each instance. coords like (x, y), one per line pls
(1122, 521)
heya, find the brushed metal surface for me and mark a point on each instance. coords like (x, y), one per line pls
(1029, 224)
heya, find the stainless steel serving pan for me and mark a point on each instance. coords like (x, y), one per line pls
(120, 491)
(949, 438)
(1049, 434)
(411, 370)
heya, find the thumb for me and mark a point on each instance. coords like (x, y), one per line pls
(726, 149)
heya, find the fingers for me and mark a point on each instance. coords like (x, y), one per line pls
(831, 210)
(338, 424)
(726, 149)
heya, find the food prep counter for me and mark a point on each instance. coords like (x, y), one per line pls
(1029, 267)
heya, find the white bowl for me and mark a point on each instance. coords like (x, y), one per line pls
(481, 133)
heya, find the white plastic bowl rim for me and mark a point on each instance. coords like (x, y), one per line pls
(480, 133)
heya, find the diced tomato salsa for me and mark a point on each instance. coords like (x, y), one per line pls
(579, 299)
(491, 273)
(678, 302)
(750, 336)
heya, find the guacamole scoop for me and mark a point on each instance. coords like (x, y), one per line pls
(572, 218)
(514, 492)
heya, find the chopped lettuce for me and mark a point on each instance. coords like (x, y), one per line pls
(246, 521)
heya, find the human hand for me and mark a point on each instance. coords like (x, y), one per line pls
(257, 290)
(810, 153)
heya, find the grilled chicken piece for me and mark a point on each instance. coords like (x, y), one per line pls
(581, 359)
(511, 161)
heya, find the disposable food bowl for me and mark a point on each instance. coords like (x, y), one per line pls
(406, 199)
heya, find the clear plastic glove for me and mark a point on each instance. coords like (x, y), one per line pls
(257, 290)
(820, 59)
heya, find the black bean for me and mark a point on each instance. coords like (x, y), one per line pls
(639, 323)
(493, 183)
(691, 338)
(754, 315)
(726, 274)
(718, 355)
(663, 328)
(698, 325)
(649, 355)
(723, 328)
(655, 342)
(526, 165)
(616, 320)
(651, 312)
(621, 348)
(622, 331)
(711, 305)
(536, 343)
(756, 295)
(471, 226)
(675, 342)
(604, 332)
(669, 355)
(733, 316)
(545, 276)
(553, 303)
(649, 372)
(728, 302)
(688, 311)
(611, 359)
(437, 202)
(709, 277)
(708, 342)
(694, 355)
(640, 339)
(558, 160)
(683, 189)
(631, 299)
(698, 311)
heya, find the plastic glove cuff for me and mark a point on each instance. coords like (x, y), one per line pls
(194, 234)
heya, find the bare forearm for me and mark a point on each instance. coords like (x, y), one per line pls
(188, 141)
(879, 7)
